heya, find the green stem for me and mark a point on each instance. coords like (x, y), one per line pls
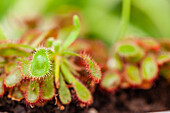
(126, 5)
(57, 70)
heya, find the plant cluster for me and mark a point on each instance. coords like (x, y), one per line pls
(40, 66)
(135, 62)
(165, 59)
(38, 74)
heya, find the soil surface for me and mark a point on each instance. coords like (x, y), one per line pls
(123, 101)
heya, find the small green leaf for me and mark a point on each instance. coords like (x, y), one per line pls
(57, 45)
(110, 81)
(10, 66)
(163, 58)
(115, 63)
(13, 52)
(40, 65)
(92, 67)
(73, 35)
(138, 57)
(76, 21)
(149, 68)
(64, 93)
(130, 51)
(49, 42)
(13, 45)
(82, 92)
(127, 49)
(47, 89)
(17, 94)
(25, 66)
(132, 75)
(13, 78)
(32, 93)
(149, 43)
(2, 90)
(67, 74)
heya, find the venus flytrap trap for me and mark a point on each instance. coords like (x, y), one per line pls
(38, 75)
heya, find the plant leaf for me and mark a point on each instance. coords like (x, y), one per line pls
(10, 66)
(57, 71)
(49, 42)
(115, 63)
(92, 67)
(110, 81)
(67, 74)
(57, 45)
(73, 35)
(82, 92)
(17, 94)
(13, 78)
(130, 51)
(13, 52)
(32, 93)
(163, 58)
(25, 67)
(47, 89)
(40, 65)
(149, 68)
(149, 43)
(64, 93)
(132, 75)
(2, 90)
(126, 49)
(13, 45)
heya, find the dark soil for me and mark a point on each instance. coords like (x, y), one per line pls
(123, 101)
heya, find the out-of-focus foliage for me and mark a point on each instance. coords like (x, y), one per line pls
(101, 18)
(5, 5)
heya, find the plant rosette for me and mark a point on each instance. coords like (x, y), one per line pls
(137, 63)
(47, 72)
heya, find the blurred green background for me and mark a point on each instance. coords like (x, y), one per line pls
(100, 18)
